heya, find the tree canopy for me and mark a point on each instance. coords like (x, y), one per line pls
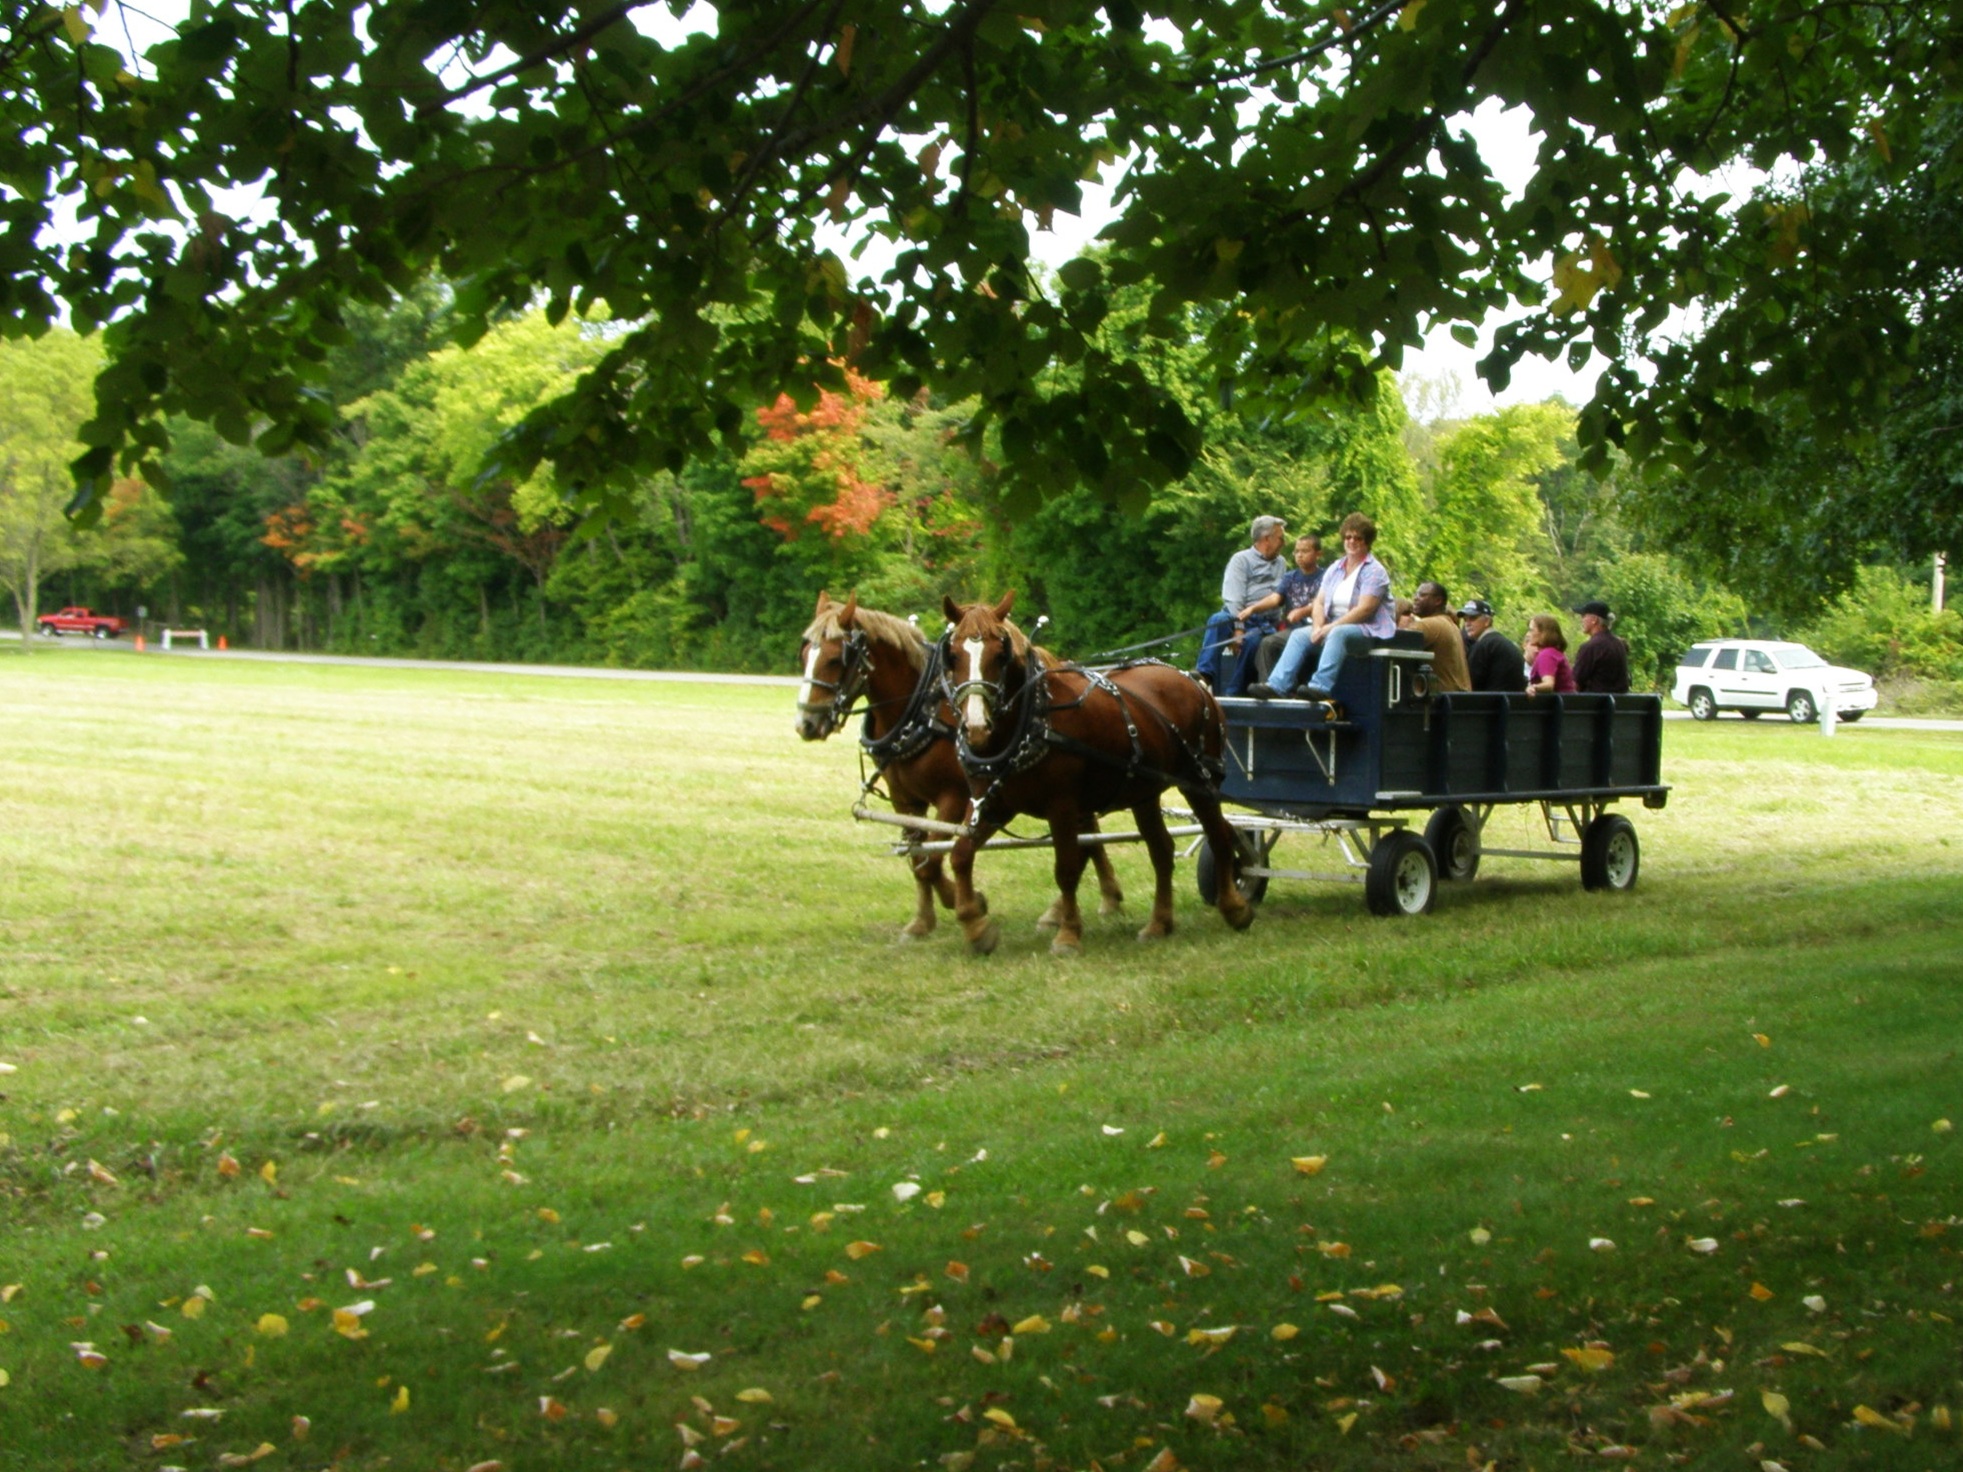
(1298, 171)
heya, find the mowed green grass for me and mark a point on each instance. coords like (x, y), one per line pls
(573, 1010)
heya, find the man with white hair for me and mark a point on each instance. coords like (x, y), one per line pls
(1247, 604)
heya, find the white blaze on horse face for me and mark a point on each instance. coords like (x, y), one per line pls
(971, 650)
(810, 674)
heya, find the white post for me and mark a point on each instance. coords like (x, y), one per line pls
(1936, 583)
(1829, 717)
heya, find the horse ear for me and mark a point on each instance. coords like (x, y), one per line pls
(950, 608)
(849, 613)
(824, 602)
(1008, 602)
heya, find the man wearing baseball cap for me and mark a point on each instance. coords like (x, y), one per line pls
(1493, 660)
(1247, 604)
(1601, 665)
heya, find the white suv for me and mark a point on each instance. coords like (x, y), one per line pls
(1752, 676)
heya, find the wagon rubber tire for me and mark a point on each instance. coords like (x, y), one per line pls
(1453, 843)
(1703, 706)
(1403, 878)
(1610, 855)
(1249, 850)
(1800, 706)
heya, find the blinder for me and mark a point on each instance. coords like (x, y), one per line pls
(855, 668)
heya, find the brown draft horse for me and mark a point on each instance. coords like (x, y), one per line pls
(1063, 743)
(908, 735)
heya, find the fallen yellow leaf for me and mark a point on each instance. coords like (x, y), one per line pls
(1592, 1360)
(857, 1250)
(597, 1356)
(1283, 1332)
(999, 1416)
(1204, 1408)
(1309, 1165)
(1868, 1416)
(754, 1396)
(1761, 1292)
(401, 1401)
(1777, 1407)
(606, 1417)
(1034, 1324)
(272, 1325)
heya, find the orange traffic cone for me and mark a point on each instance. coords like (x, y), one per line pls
(221, 641)
(139, 643)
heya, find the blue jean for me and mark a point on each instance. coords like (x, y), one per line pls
(1215, 650)
(1334, 649)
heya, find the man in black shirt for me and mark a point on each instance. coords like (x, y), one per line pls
(1493, 660)
(1602, 662)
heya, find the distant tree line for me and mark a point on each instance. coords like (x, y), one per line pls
(399, 540)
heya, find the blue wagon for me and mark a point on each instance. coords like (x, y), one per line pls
(1399, 778)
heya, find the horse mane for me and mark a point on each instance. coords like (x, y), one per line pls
(883, 627)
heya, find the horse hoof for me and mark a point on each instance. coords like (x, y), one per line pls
(1062, 947)
(1239, 919)
(1050, 919)
(1112, 907)
(985, 940)
(1155, 931)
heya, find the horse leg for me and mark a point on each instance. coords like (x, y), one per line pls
(970, 906)
(1151, 821)
(1232, 904)
(1112, 898)
(926, 870)
(1069, 871)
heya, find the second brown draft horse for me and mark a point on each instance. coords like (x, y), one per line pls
(1065, 743)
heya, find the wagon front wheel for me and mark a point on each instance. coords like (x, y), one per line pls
(1402, 879)
(1249, 850)
(1610, 855)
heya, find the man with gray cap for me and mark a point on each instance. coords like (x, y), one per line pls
(1247, 604)
(1492, 660)
(1602, 663)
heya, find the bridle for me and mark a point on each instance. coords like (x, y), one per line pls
(994, 693)
(855, 669)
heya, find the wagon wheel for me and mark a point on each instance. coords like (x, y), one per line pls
(1249, 849)
(1610, 855)
(1402, 880)
(1454, 844)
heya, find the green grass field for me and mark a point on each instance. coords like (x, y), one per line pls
(563, 1022)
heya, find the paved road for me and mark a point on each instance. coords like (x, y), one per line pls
(587, 672)
(265, 656)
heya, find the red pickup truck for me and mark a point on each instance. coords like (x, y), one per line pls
(76, 620)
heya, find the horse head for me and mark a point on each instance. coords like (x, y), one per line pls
(836, 665)
(986, 662)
